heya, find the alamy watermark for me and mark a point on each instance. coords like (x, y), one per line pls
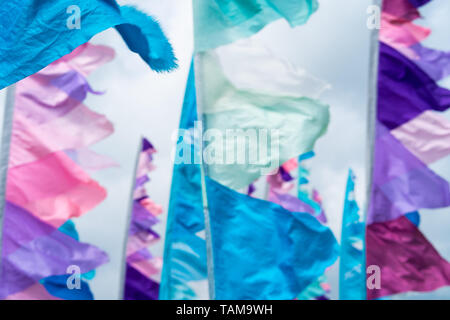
(74, 280)
(74, 20)
(253, 146)
(374, 19)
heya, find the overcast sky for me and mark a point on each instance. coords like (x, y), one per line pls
(333, 46)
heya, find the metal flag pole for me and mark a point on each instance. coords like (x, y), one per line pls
(198, 71)
(4, 155)
(371, 117)
(123, 270)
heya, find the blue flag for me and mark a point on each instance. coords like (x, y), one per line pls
(34, 33)
(184, 273)
(352, 276)
(262, 251)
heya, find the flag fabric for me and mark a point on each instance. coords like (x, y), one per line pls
(35, 33)
(220, 22)
(184, 273)
(34, 250)
(248, 94)
(352, 264)
(143, 269)
(403, 84)
(407, 260)
(292, 124)
(45, 186)
(427, 136)
(262, 251)
(409, 136)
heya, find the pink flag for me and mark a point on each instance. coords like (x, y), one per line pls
(427, 136)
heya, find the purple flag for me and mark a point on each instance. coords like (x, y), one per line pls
(435, 63)
(33, 250)
(402, 183)
(139, 287)
(405, 90)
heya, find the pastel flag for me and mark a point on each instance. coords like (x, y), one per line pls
(33, 250)
(280, 127)
(142, 267)
(404, 90)
(289, 202)
(407, 260)
(435, 63)
(219, 22)
(78, 128)
(400, 33)
(54, 189)
(185, 249)
(352, 265)
(401, 182)
(266, 73)
(34, 292)
(34, 33)
(427, 136)
(262, 251)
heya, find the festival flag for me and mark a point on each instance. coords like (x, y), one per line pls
(409, 136)
(407, 260)
(36, 33)
(401, 83)
(292, 125)
(220, 22)
(184, 273)
(352, 265)
(143, 269)
(427, 136)
(45, 187)
(274, 255)
(33, 250)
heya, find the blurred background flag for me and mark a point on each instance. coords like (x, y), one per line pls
(352, 273)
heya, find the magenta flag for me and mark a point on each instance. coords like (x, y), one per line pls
(407, 260)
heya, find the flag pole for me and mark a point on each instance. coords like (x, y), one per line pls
(371, 118)
(198, 71)
(123, 270)
(4, 156)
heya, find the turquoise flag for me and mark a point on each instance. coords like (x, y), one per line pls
(184, 274)
(352, 276)
(262, 251)
(34, 33)
(219, 22)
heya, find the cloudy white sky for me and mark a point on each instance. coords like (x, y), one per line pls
(333, 46)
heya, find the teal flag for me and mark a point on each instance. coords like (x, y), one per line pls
(262, 251)
(34, 33)
(219, 22)
(184, 274)
(352, 276)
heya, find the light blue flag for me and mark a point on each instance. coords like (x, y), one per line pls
(219, 22)
(262, 251)
(352, 276)
(184, 273)
(34, 33)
